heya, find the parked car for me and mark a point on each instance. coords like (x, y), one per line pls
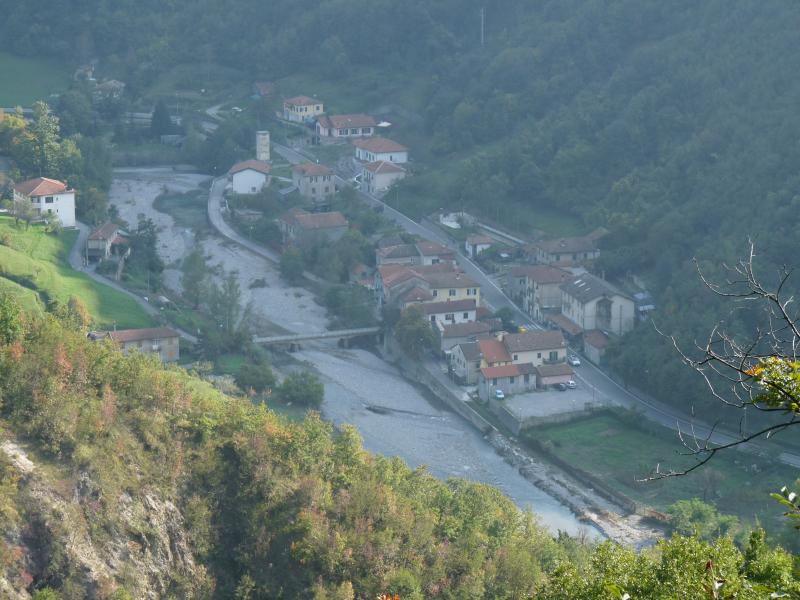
(561, 387)
(499, 395)
(571, 384)
(574, 361)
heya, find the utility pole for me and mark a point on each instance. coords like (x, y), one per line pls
(483, 21)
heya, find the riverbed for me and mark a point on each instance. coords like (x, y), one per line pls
(401, 419)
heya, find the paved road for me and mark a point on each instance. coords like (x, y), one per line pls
(77, 263)
(589, 375)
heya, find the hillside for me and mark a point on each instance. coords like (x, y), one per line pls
(35, 270)
(120, 478)
(673, 125)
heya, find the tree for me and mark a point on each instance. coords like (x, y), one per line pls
(45, 141)
(194, 276)
(292, 265)
(760, 371)
(695, 517)
(161, 123)
(506, 315)
(224, 304)
(11, 326)
(414, 333)
(302, 387)
(258, 378)
(144, 253)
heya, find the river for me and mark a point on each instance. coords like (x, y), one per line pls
(415, 428)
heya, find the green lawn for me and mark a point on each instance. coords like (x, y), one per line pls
(619, 453)
(40, 259)
(25, 80)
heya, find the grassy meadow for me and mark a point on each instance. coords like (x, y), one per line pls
(39, 261)
(619, 453)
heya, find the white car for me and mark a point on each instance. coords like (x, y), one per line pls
(499, 395)
(574, 361)
(571, 384)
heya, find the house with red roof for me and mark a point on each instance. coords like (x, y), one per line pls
(302, 109)
(345, 126)
(249, 176)
(106, 240)
(314, 181)
(302, 228)
(155, 340)
(378, 177)
(48, 197)
(379, 148)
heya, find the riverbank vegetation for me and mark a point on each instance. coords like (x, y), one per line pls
(277, 509)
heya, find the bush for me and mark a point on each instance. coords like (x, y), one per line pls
(255, 377)
(302, 387)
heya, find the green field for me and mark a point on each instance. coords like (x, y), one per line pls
(619, 453)
(25, 80)
(40, 260)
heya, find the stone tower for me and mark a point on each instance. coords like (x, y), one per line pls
(262, 145)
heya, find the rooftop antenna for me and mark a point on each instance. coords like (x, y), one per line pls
(483, 21)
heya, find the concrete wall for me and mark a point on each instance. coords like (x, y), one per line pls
(248, 181)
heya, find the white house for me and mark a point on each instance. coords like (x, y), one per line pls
(475, 244)
(379, 148)
(593, 303)
(378, 177)
(448, 313)
(48, 196)
(249, 177)
(345, 126)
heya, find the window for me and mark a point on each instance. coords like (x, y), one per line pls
(326, 189)
(366, 130)
(466, 316)
(538, 355)
(343, 132)
(313, 190)
(516, 357)
(554, 355)
(494, 381)
(433, 318)
(511, 379)
(354, 131)
(452, 292)
(435, 261)
(522, 281)
(435, 293)
(450, 317)
(527, 379)
(48, 200)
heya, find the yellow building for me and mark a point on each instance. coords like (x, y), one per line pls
(302, 109)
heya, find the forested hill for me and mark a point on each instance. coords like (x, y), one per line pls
(672, 124)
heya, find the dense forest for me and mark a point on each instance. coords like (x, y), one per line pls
(673, 125)
(135, 480)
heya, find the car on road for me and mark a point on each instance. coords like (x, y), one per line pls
(571, 384)
(574, 361)
(499, 395)
(561, 387)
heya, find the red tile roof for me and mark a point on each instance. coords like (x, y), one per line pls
(105, 232)
(542, 273)
(596, 338)
(433, 249)
(326, 220)
(494, 351)
(435, 308)
(383, 166)
(344, 121)
(379, 145)
(501, 371)
(255, 165)
(531, 341)
(308, 169)
(416, 294)
(41, 186)
(302, 101)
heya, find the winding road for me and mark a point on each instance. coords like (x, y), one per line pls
(588, 374)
